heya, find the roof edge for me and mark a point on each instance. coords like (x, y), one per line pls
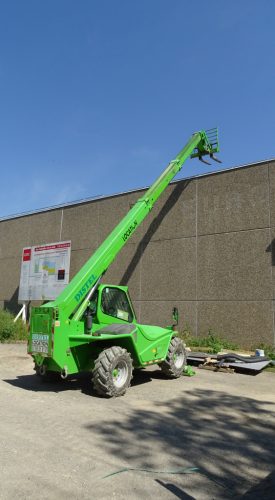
(100, 197)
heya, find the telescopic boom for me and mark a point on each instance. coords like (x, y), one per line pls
(74, 299)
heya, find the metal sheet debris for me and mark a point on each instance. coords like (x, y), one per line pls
(251, 366)
(202, 357)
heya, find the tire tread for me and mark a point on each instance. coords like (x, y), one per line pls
(167, 366)
(102, 372)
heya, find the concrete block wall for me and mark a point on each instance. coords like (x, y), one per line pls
(207, 247)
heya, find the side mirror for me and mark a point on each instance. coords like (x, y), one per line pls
(175, 316)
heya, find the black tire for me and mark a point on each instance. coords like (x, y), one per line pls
(112, 373)
(46, 375)
(175, 361)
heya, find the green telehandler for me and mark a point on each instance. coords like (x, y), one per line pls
(92, 326)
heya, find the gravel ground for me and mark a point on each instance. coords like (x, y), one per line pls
(61, 441)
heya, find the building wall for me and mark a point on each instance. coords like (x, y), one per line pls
(207, 248)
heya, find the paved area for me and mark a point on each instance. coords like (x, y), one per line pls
(61, 441)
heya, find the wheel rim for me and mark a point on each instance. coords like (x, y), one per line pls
(120, 374)
(179, 359)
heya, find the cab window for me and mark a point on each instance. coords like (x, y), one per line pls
(114, 302)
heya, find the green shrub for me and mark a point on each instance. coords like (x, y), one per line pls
(213, 343)
(186, 334)
(10, 331)
(216, 343)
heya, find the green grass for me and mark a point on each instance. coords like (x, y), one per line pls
(10, 331)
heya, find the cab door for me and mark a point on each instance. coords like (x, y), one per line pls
(114, 305)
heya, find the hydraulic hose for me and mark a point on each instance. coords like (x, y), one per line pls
(245, 359)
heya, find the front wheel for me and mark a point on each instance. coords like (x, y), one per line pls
(112, 373)
(175, 361)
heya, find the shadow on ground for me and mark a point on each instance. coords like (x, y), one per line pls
(80, 382)
(177, 492)
(33, 383)
(263, 489)
(229, 438)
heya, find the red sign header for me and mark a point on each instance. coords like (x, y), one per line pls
(27, 254)
(52, 247)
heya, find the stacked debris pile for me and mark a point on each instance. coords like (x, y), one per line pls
(229, 362)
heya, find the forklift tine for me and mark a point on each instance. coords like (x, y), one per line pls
(215, 158)
(204, 161)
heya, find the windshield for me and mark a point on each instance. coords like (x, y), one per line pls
(114, 302)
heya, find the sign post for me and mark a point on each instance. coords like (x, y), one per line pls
(23, 313)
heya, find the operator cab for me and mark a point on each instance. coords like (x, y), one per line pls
(111, 304)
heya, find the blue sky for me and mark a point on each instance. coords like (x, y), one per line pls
(98, 95)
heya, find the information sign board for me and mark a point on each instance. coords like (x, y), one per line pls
(44, 271)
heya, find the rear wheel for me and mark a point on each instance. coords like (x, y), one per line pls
(112, 373)
(175, 361)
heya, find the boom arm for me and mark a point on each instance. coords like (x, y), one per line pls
(74, 299)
